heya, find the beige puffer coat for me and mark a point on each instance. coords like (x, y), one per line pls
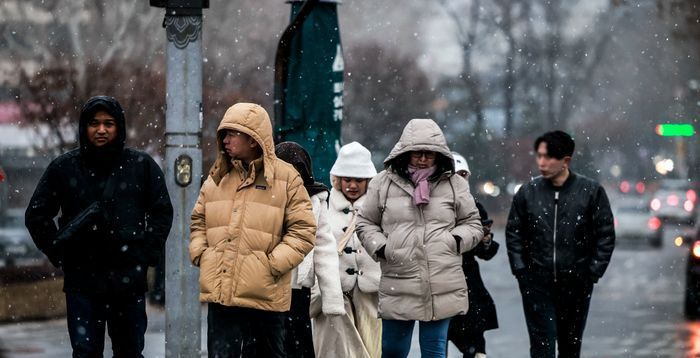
(422, 277)
(248, 232)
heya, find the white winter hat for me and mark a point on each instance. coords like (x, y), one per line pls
(460, 163)
(354, 161)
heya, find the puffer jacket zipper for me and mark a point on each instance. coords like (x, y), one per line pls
(554, 237)
(427, 263)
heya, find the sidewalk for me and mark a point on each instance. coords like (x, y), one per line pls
(49, 339)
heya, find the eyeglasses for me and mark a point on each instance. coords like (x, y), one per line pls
(421, 153)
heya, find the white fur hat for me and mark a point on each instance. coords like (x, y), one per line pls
(354, 161)
(460, 163)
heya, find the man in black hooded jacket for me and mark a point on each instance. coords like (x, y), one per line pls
(560, 237)
(105, 262)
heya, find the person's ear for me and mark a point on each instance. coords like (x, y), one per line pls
(567, 161)
(253, 143)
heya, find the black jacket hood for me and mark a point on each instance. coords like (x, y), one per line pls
(296, 155)
(111, 106)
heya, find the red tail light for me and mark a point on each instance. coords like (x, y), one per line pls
(696, 249)
(615, 221)
(655, 204)
(625, 186)
(691, 195)
(640, 187)
(654, 223)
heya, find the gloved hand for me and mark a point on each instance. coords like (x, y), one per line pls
(380, 253)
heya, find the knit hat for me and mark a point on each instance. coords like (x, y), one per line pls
(460, 163)
(354, 161)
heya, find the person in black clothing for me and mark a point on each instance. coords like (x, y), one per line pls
(467, 332)
(560, 238)
(106, 260)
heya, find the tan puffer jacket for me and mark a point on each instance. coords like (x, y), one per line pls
(422, 276)
(248, 232)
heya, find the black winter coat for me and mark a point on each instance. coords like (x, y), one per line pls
(482, 310)
(113, 255)
(562, 231)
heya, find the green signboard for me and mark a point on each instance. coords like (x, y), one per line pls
(312, 90)
(675, 130)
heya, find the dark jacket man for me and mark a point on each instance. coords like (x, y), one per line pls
(578, 241)
(105, 263)
(560, 238)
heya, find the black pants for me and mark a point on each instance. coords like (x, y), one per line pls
(555, 312)
(470, 344)
(229, 328)
(299, 342)
(124, 316)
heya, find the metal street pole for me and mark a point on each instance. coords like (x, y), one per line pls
(183, 156)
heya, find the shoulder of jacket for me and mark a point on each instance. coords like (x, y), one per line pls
(138, 155)
(586, 181)
(66, 159)
(380, 179)
(530, 186)
(71, 154)
(284, 170)
(321, 197)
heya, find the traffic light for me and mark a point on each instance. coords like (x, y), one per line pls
(675, 130)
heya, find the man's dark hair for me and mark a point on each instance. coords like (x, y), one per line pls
(559, 144)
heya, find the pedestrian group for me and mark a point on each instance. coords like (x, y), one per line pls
(289, 267)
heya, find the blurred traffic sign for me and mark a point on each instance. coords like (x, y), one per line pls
(675, 130)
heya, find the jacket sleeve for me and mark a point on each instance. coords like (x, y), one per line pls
(604, 227)
(299, 230)
(198, 225)
(326, 266)
(369, 219)
(41, 211)
(516, 231)
(159, 214)
(468, 222)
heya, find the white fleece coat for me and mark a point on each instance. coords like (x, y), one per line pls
(367, 270)
(322, 262)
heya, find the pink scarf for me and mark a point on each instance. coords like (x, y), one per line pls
(421, 195)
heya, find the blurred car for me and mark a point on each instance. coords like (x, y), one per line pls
(30, 286)
(675, 202)
(692, 279)
(635, 222)
(20, 259)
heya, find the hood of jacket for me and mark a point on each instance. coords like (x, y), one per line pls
(253, 120)
(421, 134)
(296, 155)
(87, 113)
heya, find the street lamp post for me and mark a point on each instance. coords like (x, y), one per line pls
(183, 157)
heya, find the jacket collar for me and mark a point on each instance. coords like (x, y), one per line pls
(338, 202)
(567, 184)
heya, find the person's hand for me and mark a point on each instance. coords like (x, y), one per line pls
(488, 235)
